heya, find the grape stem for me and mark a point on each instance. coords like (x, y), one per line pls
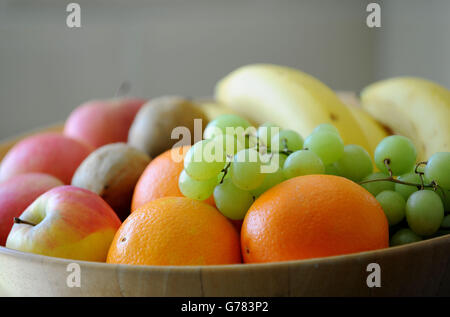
(285, 150)
(387, 164)
(417, 166)
(225, 171)
(420, 173)
(391, 178)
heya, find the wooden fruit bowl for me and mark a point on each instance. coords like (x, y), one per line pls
(419, 269)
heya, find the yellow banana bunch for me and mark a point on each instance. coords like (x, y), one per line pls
(372, 129)
(290, 99)
(212, 108)
(413, 107)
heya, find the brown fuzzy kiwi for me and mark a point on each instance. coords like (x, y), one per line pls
(112, 172)
(152, 127)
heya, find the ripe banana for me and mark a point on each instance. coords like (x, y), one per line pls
(212, 108)
(372, 129)
(413, 107)
(288, 98)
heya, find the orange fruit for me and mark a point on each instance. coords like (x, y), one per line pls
(313, 216)
(175, 231)
(160, 178)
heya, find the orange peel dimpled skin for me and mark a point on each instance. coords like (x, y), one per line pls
(176, 231)
(313, 216)
(160, 178)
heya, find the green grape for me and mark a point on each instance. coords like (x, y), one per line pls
(192, 188)
(229, 143)
(438, 169)
(393, 205)
(232, 201)
(446, 222)
(444, 194)
(302, 162)
(272, 162)
(204, 160)
(246, 169)
(424, 212)
(377, 187)
(400, 152)
(286, 139)
(265, 133)
(274, 178)
(270, 181)
(407, 190)
(331, 169)
(355, 164)
(327, 145)
(326, 127)
(220, 124)
(247, 137)
(404, 236)
(445, 197)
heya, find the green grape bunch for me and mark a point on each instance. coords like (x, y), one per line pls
(236, 163)
(413, 193)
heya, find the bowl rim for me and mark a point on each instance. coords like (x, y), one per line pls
(359, 256)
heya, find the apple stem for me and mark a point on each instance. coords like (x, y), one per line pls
(18, 220)
(124, 89)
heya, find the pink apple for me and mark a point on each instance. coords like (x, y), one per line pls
(67, 222)
(49, 153)
(19, 192)
(101, 122)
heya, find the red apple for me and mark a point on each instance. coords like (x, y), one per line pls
(19, 192)
(67, 222)
(49, 153)
(101, 122)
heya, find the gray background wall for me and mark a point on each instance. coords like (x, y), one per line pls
(185, 46)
